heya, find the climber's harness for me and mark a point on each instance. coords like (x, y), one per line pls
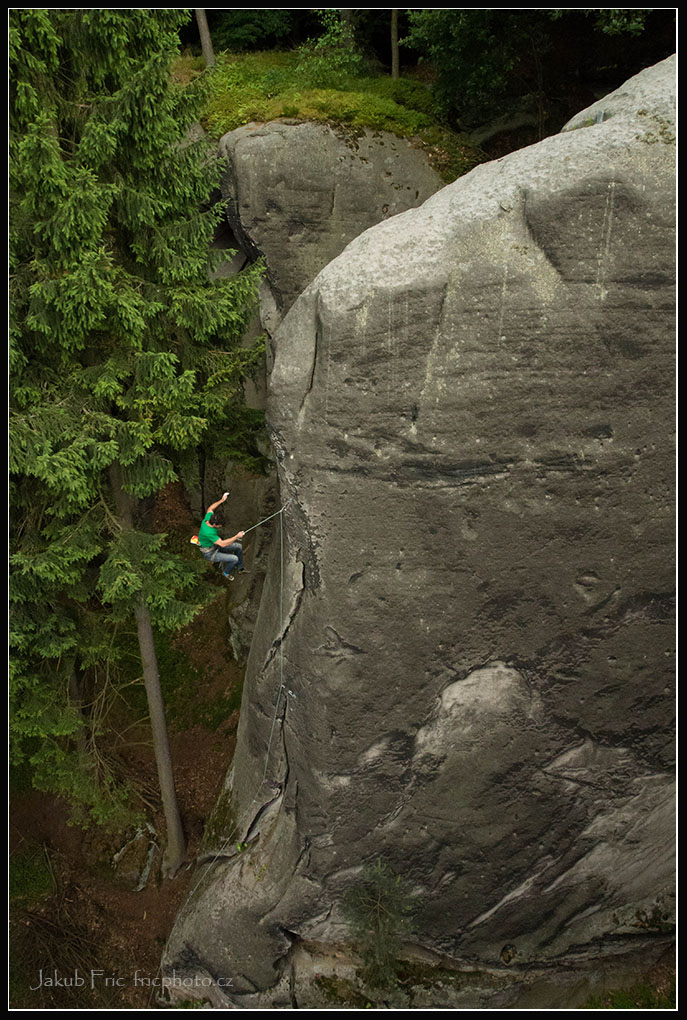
(209, 552)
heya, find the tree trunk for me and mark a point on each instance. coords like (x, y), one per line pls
(76, 699)
(176, 843)
(540, 90)
(346, 16)
(395, 63)
(202, 461)
(205, 38)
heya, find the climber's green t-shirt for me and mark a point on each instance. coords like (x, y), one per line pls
(207, 536)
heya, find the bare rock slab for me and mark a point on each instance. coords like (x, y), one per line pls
(298, 193)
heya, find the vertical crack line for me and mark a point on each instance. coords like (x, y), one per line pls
(281, 599)
(605, 246)
(292, 985)
(278, 642)
(390, 347)
(326, 379)
(437, 345)
(280, 692)
(502, 310)
(311, 380)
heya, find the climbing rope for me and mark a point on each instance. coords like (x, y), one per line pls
(281, 689)
(267, 518)
(280, 514)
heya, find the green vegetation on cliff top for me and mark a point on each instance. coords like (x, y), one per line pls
(269, 85)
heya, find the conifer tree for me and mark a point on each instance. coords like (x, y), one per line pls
(124, 360)
(379, 910)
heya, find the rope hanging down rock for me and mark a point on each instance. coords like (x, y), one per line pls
(278, 513)
(281, 689)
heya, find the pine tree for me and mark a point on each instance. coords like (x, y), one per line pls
(379, 911)
(124, 360)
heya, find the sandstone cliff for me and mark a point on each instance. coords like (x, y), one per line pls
(298, 193)
(465, 665)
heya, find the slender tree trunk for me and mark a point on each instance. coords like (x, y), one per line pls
(346, 15)
(201, 472)
(205, 38)
(540, 90)
(176, 843)
(76, 699)
(395, 63)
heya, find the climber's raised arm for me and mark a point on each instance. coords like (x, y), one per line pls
(211, 509)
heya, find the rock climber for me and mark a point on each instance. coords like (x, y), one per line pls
(224, 551)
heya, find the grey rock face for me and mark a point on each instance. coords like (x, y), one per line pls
(298, 193)
(467, 668)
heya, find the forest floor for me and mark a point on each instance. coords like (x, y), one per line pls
(80, 935)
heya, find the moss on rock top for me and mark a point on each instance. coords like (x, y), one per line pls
(270, 85)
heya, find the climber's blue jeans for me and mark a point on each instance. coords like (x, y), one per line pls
(229, 556)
